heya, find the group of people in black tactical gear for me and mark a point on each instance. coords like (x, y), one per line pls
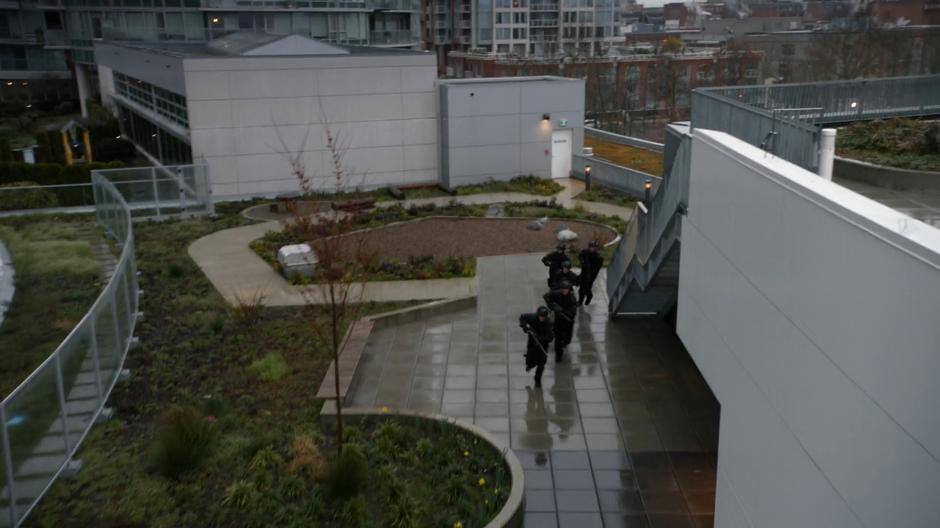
(561, 304)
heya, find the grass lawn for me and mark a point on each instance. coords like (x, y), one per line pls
(58, 277)
(606, 195)
(901, 143)
(218, 425)
(635, 158)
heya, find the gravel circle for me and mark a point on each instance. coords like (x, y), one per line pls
(471, 237)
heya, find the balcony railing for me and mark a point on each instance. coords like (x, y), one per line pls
(32, 65)
(544, 6)
(393, 37)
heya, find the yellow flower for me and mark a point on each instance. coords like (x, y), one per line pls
(466, 454)
(458, 524)
(482, 481)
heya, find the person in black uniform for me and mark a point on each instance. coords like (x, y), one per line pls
(565, 306)
(564, 274)
(553, 260)
(539, 329)
(591, 263)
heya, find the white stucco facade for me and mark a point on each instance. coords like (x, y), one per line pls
(246, 114)
(495, 128)
(812, 312)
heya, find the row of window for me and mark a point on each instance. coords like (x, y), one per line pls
(164, 102)
(162, 145)
(512, 18)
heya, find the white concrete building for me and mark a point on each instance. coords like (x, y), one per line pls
(503, 127)
(248, 103)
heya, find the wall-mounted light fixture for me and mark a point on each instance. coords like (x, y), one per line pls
(215, 20)
(546, 117)
(854, 104)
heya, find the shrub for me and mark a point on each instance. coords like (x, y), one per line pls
(247, 311)
(307, 459)
(347, 473)
(241, 494)
(26, 199)
(271, 367)
(185, 441)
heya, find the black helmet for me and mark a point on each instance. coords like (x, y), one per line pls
(542, 311)
(593, 244)
(566, 264)
(565, 285)
(561, 247)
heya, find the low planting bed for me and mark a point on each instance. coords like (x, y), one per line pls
(648, 161)
(602, 194)
(440, 247)
(58, 277)
(901, 143)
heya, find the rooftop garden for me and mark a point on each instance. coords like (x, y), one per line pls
(647, 161)
(901, 143)
(58, 277)
(520, 184)
(606, 195)
(218, 425)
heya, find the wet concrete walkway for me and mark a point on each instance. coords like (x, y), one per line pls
(623, 434)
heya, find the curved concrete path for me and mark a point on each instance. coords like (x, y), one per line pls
(238, 273)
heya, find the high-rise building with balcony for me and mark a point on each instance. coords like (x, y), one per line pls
(46, 46)
(541, 28)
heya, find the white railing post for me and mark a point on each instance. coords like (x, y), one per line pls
(827, 152)
(8, 462)
(156, 194)
(60, 388)
(92, 321)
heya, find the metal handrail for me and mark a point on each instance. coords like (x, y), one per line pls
(121, 293)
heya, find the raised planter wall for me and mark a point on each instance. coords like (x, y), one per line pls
(623, 140)
(512, 514)
(888, 177)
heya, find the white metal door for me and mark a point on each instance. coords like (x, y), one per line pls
(561, 153)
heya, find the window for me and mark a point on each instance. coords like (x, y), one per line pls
(53, 20)
(163, 102)
(632, 73)
(519, 33)
(503, 33)
(502, 18)
(519, 18)
(751, 73)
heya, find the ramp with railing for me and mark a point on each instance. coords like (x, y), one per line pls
(642, 277)
(784, 120)
(44, 420)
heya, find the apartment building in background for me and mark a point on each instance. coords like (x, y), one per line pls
(47, 46)
(520, 28)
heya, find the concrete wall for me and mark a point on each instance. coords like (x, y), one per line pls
(890, 177)
(493, 128)
(613, 176)
(813, 314)
(383, 108)
(163, 70)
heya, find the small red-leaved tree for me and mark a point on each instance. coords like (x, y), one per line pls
(334, 296)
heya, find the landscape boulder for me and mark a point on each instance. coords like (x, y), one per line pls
(297, 260)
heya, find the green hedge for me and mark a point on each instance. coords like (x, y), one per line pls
(29, 199)
(51, 173)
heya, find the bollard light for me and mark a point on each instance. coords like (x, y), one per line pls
(587, 177)
(647, 189)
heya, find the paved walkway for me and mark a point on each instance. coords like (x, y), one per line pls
(623, 434)
(238, 273)
(922, 206)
